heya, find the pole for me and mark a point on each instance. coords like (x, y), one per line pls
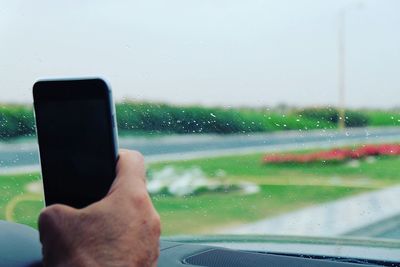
(341, 69)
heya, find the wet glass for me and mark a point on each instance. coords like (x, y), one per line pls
(262, 118)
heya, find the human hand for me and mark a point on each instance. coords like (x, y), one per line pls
(122, 229)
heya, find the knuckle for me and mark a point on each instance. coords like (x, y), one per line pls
(156, 254)
(137, 156)
(155, 225)
(149, 256)
(140, 199)
(50, 216)
(156, 251)
(156, 222)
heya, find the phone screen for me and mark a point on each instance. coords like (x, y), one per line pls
(77, 152)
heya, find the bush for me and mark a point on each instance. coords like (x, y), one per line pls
(16, 120)
(352, 118)
(174, 119)
(155, 118)
(383, 118)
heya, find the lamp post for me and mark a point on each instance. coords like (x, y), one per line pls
(341, 68)
(342, 64)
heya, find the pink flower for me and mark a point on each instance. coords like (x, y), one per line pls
(336, 154)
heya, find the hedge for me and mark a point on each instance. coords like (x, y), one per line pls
(352, 118)
(154, 118)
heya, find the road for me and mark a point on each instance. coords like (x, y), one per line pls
(14, 155)
(387, 228)
(371, 214)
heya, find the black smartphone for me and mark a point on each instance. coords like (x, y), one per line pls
(77, 136)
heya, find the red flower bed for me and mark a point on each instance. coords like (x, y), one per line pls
(335, 154)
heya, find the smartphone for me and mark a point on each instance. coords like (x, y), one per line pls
(77, 136)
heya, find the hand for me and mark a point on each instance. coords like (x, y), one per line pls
(123, 229)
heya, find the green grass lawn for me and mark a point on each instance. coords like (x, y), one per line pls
(208, 213)
(16, 203)
(284, 187)
(384, 170)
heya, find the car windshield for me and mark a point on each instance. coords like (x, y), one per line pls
(255, 117)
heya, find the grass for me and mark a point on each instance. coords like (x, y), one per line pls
(13, 187)
(284, 187)
(212, 212)
(384, 170)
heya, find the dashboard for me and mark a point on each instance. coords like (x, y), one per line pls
(20, 247)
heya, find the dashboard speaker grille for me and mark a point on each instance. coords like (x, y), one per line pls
(226, 258)
(232, 258)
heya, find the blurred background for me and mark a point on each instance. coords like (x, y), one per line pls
(247, 112)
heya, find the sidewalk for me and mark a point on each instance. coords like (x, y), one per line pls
(330, 219)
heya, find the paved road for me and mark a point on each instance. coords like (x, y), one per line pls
(372, 214)
(25, 154)
(387, 228)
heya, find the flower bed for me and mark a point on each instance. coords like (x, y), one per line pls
(335, 154)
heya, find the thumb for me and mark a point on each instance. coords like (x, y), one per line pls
(131, 172)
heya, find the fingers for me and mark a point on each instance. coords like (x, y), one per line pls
(130, 163)
(53, 220)
(98, 232)
(130, 171)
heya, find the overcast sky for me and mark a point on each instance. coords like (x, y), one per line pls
(224, 52)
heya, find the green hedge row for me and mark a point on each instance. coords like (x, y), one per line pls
(16, 121)
(352, 118)
(163, 118)
(153, 118)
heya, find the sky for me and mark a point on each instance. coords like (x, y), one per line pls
(209, 52)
